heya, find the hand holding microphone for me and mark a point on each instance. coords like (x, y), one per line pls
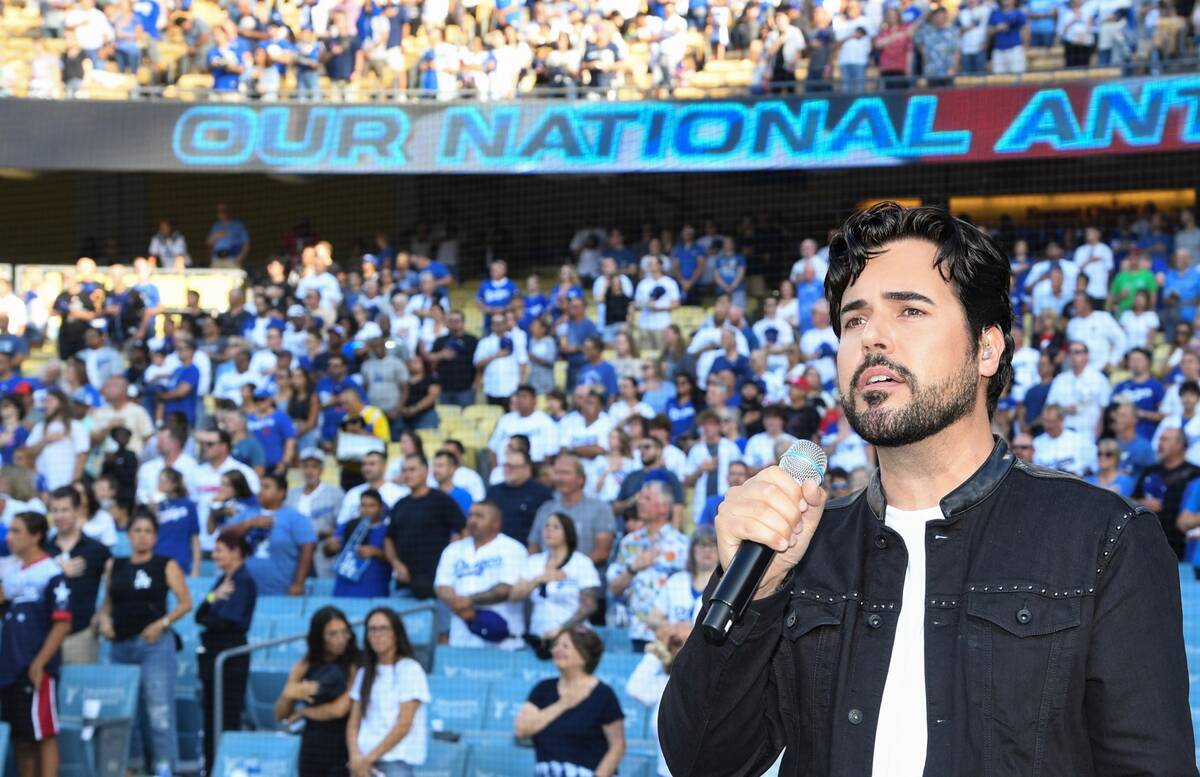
(764, 528)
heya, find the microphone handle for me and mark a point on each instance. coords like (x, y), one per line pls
(736, 589)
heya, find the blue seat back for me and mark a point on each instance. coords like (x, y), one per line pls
(615, 668)
(115, 685)
(262, 690)
(528, 667)
(637, 715)
(494, 760)
(457, 705)
(480, 664)
(319, 586)
(504, 700)
(276, 755)
(443, 759)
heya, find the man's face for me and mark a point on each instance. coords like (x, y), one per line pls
(373, 468)
(5, 364)
(1079, 355)
(711, 431)
(651, 451)
(270, 494)
(737, 474)
(516, 471)
(337, 369)
(1138, 363)
(370, 508)
(1053, 421)
(566, 479)
(455, 323)
(906, 367)
(482, 522)
(414, 473)
(443, 469)
(311, 469)
(215, 451)
(650, 505)
(524, 402)
(62, 513)
(576, 308)
(1171, 444)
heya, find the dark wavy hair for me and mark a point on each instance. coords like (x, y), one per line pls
(316, 640)
(966, 258)
(371, 658)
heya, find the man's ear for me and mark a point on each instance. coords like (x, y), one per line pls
(991, 349)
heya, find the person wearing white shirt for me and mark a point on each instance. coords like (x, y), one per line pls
(1095, 260)
(609, 276)
(561, 583)
(324, 283)
(170, 444)
(525, 419)
(405, 327)
(708, 462)
(100, 359)
(1053, 294)
(656, 296)
(389, 697)
(91, 27)
(629, 403)
(217, 461)
(760, 449)
(1024, 364)
(475, 577)
(1140, 323)
(1039, 273)
(973, 21)
(808, 258)
(233, 377)
(1081, 391)
(503, 361)
(1061, 448)
(1098, 330)
(374, 466)
(819, 344)
(774, 334)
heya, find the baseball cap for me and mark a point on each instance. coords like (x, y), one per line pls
(296, 311)
(489, 625)
(369, 331)
(99, 323)
(312, 454)
(263, 393)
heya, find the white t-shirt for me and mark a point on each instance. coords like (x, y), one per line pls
(102, 528)
(470, 570)
(561, 600)
(1089, 392)
(760, 449)
(677, 601)
(208, 482)
(394, 684)
(1138, 327)
(656, 313)
(148, 472)
(537, 426)
(502, 375)
(1097, 272)
(727, 453)
(1069, 452)
(390, 491)
(901, 738)
(575, 431)
(56, 462)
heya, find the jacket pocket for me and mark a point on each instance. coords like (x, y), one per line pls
(811, 646)
(1019, 645)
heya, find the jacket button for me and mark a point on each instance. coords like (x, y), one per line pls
(881, 542)
(1024, 616)
(855, 717)
(874, 621)
(791, 619)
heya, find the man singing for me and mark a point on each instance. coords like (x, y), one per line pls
(968, 613)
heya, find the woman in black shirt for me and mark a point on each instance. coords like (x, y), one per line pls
(134, 616)
(303, 408)
(320, 684)
(225, 616)
(419, 408)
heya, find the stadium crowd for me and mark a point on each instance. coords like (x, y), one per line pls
(554, 464)
(443, 50)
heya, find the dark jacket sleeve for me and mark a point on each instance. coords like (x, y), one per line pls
(720, 712)
(1136, 697)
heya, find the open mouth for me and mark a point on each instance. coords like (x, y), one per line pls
(879, 378)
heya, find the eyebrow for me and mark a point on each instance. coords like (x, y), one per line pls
(894, 296)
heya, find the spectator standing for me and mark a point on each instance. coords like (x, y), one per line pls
(561, 584)
(445, 465)
(973, 18)
(374, 472)
(135, 618)
(645, 559)
(1138, 453)
(1076, 29)
(282, 541)
(1081, 391)
(739, 473)
(36, 622)
(572, 333)
(497, 293)
(895, 46)
(273, 429)
(385, 376)
(225, 616)
(452, 355)
(118, 412)
(941, 49)
(575, 721)
(218, 461)
(518, 494)
(1161, 486)
(1108, 476)
(543, 353)
(91, 28)
(1141, 390)
(475, 576)
(613, 294)
(318, 501)
(708, 461)
(422, 525)
(853, 33)
(182, 390)
(1104, 337)
(387, 730)
(525, 420)
(317, 692)
(177, 526)
(169, 442)
(1008, 46)
(656, 296)
(58, 444)
(83, 561)
(1062, 448)
(360, 567)
(502, 358)
(1180, 296)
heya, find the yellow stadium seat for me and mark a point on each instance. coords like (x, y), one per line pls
(431, 439)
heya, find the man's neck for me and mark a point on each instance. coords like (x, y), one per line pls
(1173, 462)
(420, 491)
(653, 528)
(481, 541)
(32, 555)
(68, 539)
(311, 487)
(570, 499)
(920, 475)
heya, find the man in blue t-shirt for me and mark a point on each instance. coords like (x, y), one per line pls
(228, 239)
(497, 293)
(440, 272)
(1142, 391)
(572, 334)
(362, 571)
(687, 262)
(329, 388)
(282, 541)
(225, 64)
(274, 431)
(1008, 49)
(595, 371)
(729, 273)
(182, 393)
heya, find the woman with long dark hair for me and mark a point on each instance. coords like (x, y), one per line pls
(225, 617)
(560, 582)
(687, 404)
(233, 498)
(13, 432)
(386, 734)
(178, 522)
(320, 684)
(59, 445)
(98, 523)
(303, 408)
(135, 618)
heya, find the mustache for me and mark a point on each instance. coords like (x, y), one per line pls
(879, 360)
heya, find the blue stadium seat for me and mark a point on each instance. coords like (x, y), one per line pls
(189, 722)
(615, 668)
(636, 765)
(504, 700)
(456, 706)
(107, 752)
(444, 759)
(637, 716)
(528, 667)
(261, 692)
(187, 682)
(473, 663)
(616, 640)
(240, 752)
(122, 549)
(495, 760)
(318, 586)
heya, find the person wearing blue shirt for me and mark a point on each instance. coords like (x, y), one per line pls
(572, 334)
(274, 430)
(536, 303)
(329, 388)
(687, 262)
(13, 433)
(595, 371)
(1008, 49)
(440, 272)
(683, 407)
(497, 293)
(362, 571)
(178, 523)
(148, 13)
(1180, 294)
(1137, 452)
(1189, 524)
(1043, 20)
(729, 274)
(1110, 477)
(1142, 391)
(226, 67)
(282, 540)
(181, 393)
(228, 238)
(445, 464)
(308, 64)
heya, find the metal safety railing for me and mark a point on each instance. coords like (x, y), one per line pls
(424, 655)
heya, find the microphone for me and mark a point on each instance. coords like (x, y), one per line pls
(805, 460)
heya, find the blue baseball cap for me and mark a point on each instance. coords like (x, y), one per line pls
(489, 625)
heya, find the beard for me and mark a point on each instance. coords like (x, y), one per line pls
(930, 410)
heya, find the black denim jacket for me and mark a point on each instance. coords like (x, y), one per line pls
(1053, 643)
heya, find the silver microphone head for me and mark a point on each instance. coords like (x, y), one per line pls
(805, 460)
